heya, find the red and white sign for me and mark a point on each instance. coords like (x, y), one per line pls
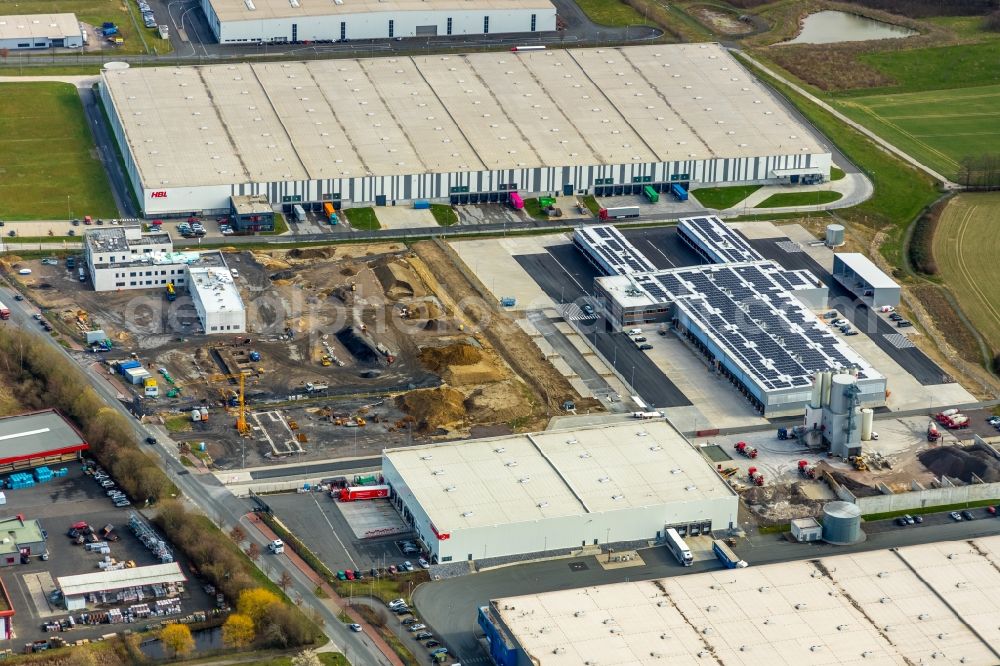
(442, 536)
(159, 194)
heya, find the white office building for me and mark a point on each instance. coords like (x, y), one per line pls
(215, 296)
(281, 21)
(40, 31)
(553, 492)
(120, 258)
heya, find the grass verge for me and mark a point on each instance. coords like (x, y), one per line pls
(901, 192)
(723, 197)
(774, 529)
(590, 201)
(444, 215)
(930, 509)
(610, 12)
(362, 219)
(836, 173)
(280, 226)
(34, 119)
(179, 423)
(789, 199)
(377, 620)
(534, 209)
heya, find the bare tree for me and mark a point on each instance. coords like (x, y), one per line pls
(253, 552)
(285, 580)
(238, 535)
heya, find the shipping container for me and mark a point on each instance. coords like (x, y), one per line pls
(651, 194)
(679, 192)
(126, 365)
(727, 556)
(422, 204)
(516, 201)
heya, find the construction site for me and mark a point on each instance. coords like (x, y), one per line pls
(348, 350)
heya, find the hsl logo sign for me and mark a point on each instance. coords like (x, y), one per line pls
(160, 194)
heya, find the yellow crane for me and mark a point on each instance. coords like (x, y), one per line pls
(241, 418)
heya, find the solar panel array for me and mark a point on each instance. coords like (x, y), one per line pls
(611, 251)
(717, 241)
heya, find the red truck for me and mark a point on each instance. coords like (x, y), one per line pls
(353, 493)
(4, 311)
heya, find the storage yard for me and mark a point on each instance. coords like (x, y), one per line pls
(570, 129)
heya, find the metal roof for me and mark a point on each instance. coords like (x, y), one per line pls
(913, 605)
(105, 581)
(37, 434)
(397, 115)
(715, 239)
(611, 251)
(865, 269)
(557, 473)
(216, 288)
(51, 26)
(256, 10)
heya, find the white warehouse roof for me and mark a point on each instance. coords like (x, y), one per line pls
(216, 288)
(256, 10)
(105, 581)
(934, 603)
(866, 269)
(291, 121)
(555, 473)
(53, 26)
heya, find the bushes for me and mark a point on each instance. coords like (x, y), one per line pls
(992, 22)
(921, 249)
(926, 8)
(40, 377)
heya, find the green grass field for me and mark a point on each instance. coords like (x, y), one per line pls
(789, 199)
(95, 12)
(444, 215)
(723, 197)
(362, 219)
(966, 247)
(610, 12)
(937, 127)
(49, 169)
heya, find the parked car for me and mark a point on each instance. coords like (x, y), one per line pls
(440, 650)
(901, 522)
(645, 347)
(845, 328)
(851, 332)
(908, 518)
(350, 574)
(967, 515)
(431, 644)
(903, 324)
(18, 297)
(639, 339)
(838, 322)
(895, 316)
(918, 519)
(410, 620)
(374, 572)
(355, 627)
(424, 564)
(587, 309)
(993, 420)
(955, 515)
(341, 575)
(401, 610)
(392, 568)
(396, 602)
(424, 635)
(122, 503)
(992, 510)
(408, 566)
(832, 314)
(417, 627)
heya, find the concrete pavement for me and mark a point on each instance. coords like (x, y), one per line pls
(854, 188)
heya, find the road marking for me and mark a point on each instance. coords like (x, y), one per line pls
(662, 254)
(335, 535)
(572, 312)
(898, 340)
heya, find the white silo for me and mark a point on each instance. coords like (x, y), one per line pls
(867, 420)
(834, 235)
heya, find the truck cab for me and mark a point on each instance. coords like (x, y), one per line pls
(277, 546)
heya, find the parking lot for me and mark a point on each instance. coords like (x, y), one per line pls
(58, 504)
(336, 536)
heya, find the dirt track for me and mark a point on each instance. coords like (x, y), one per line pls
(480, 313)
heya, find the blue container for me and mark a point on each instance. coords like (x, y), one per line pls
(421, 204)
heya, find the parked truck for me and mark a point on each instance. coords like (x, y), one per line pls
(745, 449)
(4, 311)
(300, 213)
(650, 193)
(619, 213)
(727, 556)
(933, 434)
(679, 192)
(647, 415)
(353, 493)
(755, 477)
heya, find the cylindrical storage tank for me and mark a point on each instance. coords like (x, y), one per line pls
(834, 235)
(839, 402)
(827, 377)
(867, 419)
(817, 394)
(842, 523)
(115, 65)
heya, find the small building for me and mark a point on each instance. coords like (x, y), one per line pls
(40, 31)
(549, 493)
(864, 279)
(77, 589)
(6, 614)
(807, 529)
(124, 257)
(215, 295)
(20, 540)
(251, 212)
(45, 437)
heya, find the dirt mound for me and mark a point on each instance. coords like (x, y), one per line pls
(500, 402)
(396, 279)
(857, 488)
(962, 463)
(432, 325)
(358, 346)
(439, 358)
(434, 408)
(270, 262)
(312, 253)
(283, 275)
(779, 504)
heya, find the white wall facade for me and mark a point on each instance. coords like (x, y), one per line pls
(138, 276)
(72, 41)
(375, 25)
(216, 320)
(511, 539)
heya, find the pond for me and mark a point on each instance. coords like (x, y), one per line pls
(204, 639)
(831, 27)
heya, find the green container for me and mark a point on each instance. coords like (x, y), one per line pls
(651, 194)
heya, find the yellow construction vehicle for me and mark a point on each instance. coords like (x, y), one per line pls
(241, 418)
(326, 361)
(360, 421)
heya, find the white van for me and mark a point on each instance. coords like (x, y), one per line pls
(634, 331)
(277, 546)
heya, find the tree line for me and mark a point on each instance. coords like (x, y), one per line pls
(927, 8)
(980, 171)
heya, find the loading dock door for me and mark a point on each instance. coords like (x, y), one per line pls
(427, 31)
(568, 189)
(379, 199)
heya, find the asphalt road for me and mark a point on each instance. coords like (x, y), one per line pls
(335, 467)
(108, 151)
(567, 278)
(914, 361)
(207, 494)
(663, 246)
(449, 607)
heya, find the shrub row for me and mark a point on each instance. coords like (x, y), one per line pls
(921, 249)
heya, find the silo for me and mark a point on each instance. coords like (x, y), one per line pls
(840, 402)
(834, 235)
(817, 392)
(842, 523)
(827, 377)
(867, 419)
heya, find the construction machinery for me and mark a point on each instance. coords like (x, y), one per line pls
(806, 470)
(727, 472)
(755, 477)
(933, 434)
(745, 449)
(241, 418)
(325, 361)
(860, 462)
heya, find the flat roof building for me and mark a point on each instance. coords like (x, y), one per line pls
(76, 589)
(909, 605)
(40, 31)
(38, 438)
(610, 251)
(251, 212)
(281, 21)
(215, 295)
(751, 317)
(460, 128)
(555, 491)
(120, 258)
(21, 540)
(864, 279)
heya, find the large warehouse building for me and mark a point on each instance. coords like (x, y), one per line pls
(39, 438)
(556, 491)
(751, 317)
(279, 21)
(927, 604)
(460, 128)
(40, 31)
